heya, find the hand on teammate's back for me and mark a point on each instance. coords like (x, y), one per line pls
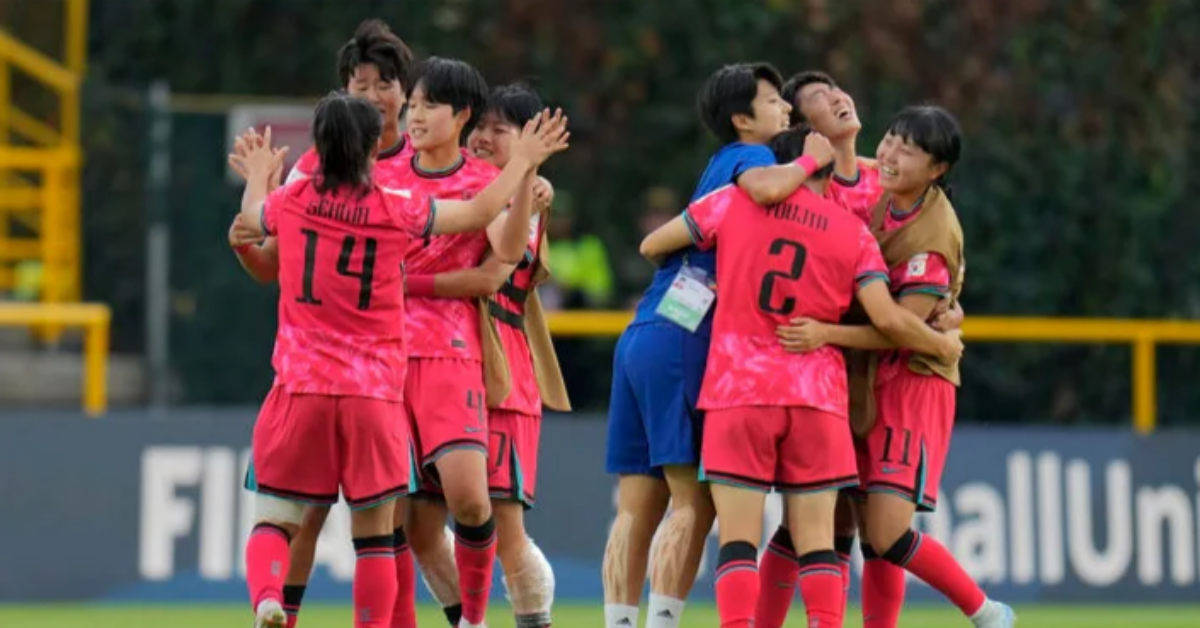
(542, 136)
(954, 346)
(819, 148)
(802, 335)
(946, 317)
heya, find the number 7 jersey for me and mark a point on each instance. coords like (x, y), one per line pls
(341, 287)
(803, 257)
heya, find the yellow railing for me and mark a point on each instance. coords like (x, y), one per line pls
(94, 319)
(1143, 335)
(40, 162)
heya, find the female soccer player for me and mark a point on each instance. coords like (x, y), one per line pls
(445, 388)
(517, 340)
(334, 420)
(902, 458)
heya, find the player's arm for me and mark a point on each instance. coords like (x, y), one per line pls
(542, 136)
(947, 317)
(674, 236)
(804, 334)
(771, 184)
(481, 281)
(260, 163)
(508, 234)
(904, 322)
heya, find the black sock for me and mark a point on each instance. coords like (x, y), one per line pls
(454, 614)
(901, 550)
(293, 595)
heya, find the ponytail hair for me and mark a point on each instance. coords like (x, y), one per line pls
(346, 133)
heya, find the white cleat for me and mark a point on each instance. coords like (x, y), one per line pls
(269, 614)
(994, 615)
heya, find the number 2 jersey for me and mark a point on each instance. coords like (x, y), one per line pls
(341, 302)
(803, 257)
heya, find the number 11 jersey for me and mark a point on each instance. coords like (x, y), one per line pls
(803, 257)
(341, 287)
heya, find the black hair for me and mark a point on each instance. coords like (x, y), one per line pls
(933, 130)
(788, 146)
(374, 43)
(791, 90)
(515, 103)
(452, 82)
(345, 131)
(729, 91)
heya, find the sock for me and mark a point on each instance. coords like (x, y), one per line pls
(293, 595)
(475, 556)
(404, 613)
(737, 584)
(266, 563)
(777, 574)
(664, 612)
(930, 561)
(620, 616)
(821, 588)
(843, 545)
(883, 587)
(453, 614)
(536, 620)
(374, 582)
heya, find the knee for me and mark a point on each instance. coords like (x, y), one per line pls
(471, 511)
(882, 538)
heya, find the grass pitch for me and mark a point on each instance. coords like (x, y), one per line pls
(565, 616)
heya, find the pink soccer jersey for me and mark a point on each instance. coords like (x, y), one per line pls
(341, 301)
(524, 396)
(803, 257)
(859, 197)
(445, 328)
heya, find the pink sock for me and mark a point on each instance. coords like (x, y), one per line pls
(930, 561)
(404, 614)
(821, 589)
(475, 557)
(266, 563)
(737, 585)
(374, 582)
(883, 587)
(777, 573)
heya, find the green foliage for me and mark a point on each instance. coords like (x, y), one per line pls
(1079, 117)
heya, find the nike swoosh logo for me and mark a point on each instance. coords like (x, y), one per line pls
(473, 430)
(891, 470)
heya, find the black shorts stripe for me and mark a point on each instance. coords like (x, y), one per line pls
(734, 478)
(395, 491)
(458, 443)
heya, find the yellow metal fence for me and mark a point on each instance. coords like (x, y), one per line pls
(1143, 336)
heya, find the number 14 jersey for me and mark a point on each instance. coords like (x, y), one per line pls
(341, 287)
(803, 257)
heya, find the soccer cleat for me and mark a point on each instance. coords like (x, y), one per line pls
(269, 614)
(994, 615)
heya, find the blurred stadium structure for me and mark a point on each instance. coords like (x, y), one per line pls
(1075, 195)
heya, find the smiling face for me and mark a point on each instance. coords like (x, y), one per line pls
(905, 167)
(386, 96)
(829, 109)
(492, 139)
(770, 115)
(432, 124)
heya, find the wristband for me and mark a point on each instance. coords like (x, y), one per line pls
(809, 164)
(419, 285)
(242, 248)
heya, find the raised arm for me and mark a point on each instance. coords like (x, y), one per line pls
(508, 234)
(542, 137)
(259, 259)
(771, 184)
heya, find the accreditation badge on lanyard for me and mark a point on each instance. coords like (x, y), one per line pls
(689, 298)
